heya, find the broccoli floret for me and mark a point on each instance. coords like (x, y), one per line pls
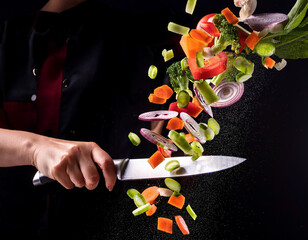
(228, 35)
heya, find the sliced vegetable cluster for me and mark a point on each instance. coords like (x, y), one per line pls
(145, 203)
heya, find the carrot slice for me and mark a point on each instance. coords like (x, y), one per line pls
(150, 194)
(165, 225)
(231, 18)
(151, 211)
(163, 91)
(156, 159)
(269, 62)
(157, 100)
(200, 36)
(177, 201)
(190, 138)
(175, 124)
(181, 224)
(252, 40)
(190, 46)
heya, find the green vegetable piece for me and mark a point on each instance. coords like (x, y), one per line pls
(180, 141)
(183, 99)
(190, 6)
(199, 59)
(173, 185)
(191, 212)
(265, 49)
(184, 64)
(243, 65)
(195, 156)
(133, 137)
(132, 192)
(167, 54)
(141, 209)
(171, 165)
(197, 147)
(207, 92)
(152, 72)
(242, 77)
(182, 134)
(139, 200)
(179, 29)
(207, 132)
(213, 124)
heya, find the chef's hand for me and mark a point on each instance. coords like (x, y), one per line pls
(73, 163)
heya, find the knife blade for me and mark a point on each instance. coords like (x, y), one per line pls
(138, 169)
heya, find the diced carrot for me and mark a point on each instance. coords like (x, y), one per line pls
(196, 102)
(151, 211)
(269, 62)
(163, 91)
(150, 194)
(181, 224)
(175, 124)
(190, 138)
(201, 36)
(166, 153)
(191, 109)
(252, 40)
(190, 46)
(156, 159)
(229, 15)
(165, 225)
(157, 100)
(177, 201)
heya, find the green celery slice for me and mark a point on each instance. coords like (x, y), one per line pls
(139, 200)
(180, 141)
(141, 209)
(171, 165)
(242, 77)
(182, 99)
(190, 6)
(197, 147)
(179, 29)
(167, 54)
(244, 65)
(191, 212)
(265, 49)
(212, 123)
(199, 59)
(173, 185)
(152, 72)
(133, 137)
(207, 92)
(132, 192)
(207, 132)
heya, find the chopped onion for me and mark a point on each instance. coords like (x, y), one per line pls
(192, 127)
(157, 115)
(165, 192)
(207, 108)
(158, 139)
(281, 65)
(228, 92)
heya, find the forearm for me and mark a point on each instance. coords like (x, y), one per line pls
(16, 147)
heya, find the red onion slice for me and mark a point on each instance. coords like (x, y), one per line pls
(158, 139)
(228, 92)
(192, 127)
(258, 22)
(207, 108)
(157, 115)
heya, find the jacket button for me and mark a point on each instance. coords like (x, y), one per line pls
(65, 83)
(33, 98)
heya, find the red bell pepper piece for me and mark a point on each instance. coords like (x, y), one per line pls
(191, 109)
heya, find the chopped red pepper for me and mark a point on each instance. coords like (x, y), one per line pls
(191, 109)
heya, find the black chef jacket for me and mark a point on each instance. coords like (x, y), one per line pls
(103, 90)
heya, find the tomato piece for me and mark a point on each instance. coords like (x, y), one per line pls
(212, 67)
(206, 18)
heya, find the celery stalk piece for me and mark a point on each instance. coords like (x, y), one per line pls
(171, 165)
(182, 99)
(173, 185)
(207, 92)
(190, 6)
(141, 209)
(180, 141)
(199, 59)
(152, 72)
(132, 192)
(207, 131)
(197, 147)
(133, 137)
(191, 212)
(139, 200)
(167, 54)
(242, 77)
(213, 124)
(179, 29)
(243, 65)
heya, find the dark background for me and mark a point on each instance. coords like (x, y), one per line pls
(263, 198)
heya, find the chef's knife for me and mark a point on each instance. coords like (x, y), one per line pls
(137, 169)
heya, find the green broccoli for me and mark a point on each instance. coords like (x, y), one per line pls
(228, 35)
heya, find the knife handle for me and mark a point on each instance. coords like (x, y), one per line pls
(40, 179)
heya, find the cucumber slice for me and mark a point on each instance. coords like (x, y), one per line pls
(139, 200)
(133, 137)
(173, 185)
(265, 49)
(179, 29)
(132, 192)
(152, 72)
(207, 131)
(141, 209)
(212, 123)
(191, 212)
(190, 6)
(171, 165)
